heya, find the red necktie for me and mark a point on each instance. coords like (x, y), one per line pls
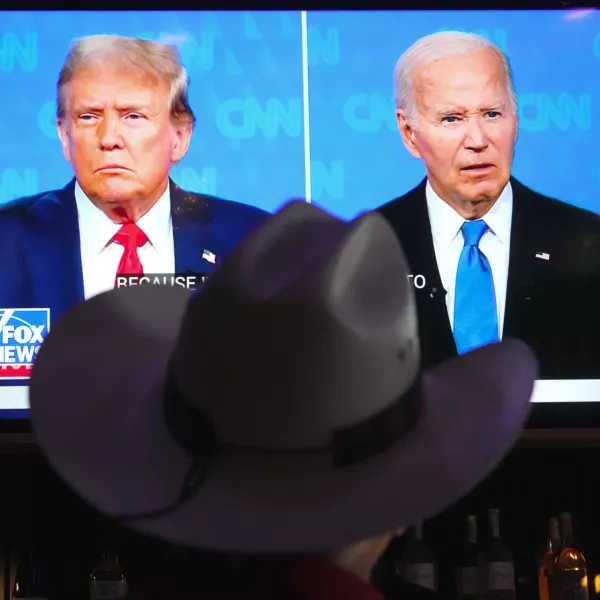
(131, 237)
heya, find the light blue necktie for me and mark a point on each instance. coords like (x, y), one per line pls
(475, 312)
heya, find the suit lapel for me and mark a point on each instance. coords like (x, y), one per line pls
(416, 237)
(191, 214)
(53, 254)
(523, 264)
(410, 219)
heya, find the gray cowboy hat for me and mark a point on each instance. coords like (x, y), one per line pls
(280, 409)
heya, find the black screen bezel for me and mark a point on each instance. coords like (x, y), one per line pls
(544, 415)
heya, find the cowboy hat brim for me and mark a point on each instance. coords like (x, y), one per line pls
(97, 410)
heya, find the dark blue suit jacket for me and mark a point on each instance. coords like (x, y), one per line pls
(40, 265)
(39, 243)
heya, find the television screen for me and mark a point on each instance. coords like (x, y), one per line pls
(318, 106)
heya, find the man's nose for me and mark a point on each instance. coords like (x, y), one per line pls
(475, 137)
(109, 135)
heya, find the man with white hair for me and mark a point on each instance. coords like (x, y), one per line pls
(123, 120)
(489, 256)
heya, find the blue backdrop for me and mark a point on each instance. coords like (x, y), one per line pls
(249, 91)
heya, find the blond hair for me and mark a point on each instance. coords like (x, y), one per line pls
(156, 60)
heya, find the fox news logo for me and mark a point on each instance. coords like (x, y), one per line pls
(22, 331)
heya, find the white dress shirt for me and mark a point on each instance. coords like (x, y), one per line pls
(100, 256)
(448, 242)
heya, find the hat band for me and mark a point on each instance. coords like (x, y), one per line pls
(195, 433)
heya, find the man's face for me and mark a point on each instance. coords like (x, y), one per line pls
(466, 129)
(119, 137)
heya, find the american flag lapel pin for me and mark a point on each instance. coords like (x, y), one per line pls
(542, 255)
(209, 257)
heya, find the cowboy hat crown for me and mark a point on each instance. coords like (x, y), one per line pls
(342, 308)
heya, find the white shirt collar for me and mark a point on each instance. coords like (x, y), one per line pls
(446, 222)
(100, 229)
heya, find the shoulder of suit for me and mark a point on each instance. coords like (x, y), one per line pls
(232, 207)
(231, 219)
(216, 207)
(548, 208)
(406, 212)
(19, 207)
(192, 204)
(404, 203)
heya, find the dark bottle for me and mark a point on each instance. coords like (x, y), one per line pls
(107, 580)
(30, 582)
(417, 562)
(547, 562)
(498, 567)
(467, 571)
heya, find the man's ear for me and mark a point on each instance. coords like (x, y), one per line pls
(63, 136)
(183, 137)
(407, 131)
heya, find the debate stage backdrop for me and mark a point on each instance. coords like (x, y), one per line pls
(293, 104)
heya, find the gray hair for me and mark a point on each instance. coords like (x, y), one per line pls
(433, 47)
(156, 60)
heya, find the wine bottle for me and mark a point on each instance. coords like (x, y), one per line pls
(569, 578)
(107, 580)
(417, 562)
(30, 582)
(467, 572)
(547, 562)
(498, 568)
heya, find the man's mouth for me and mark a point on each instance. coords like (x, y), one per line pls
(479, 167)
(113, 167)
